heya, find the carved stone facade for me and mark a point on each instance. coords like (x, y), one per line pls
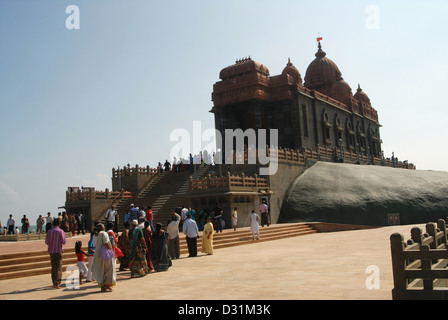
(322, 111)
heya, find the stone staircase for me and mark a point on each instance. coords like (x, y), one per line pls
(32, 263)
(163, 194)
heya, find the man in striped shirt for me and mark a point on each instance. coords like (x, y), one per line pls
(55, 239)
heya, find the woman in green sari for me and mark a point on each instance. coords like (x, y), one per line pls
(160, 257)
(137, 253)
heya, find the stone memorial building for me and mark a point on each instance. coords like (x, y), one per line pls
(321, 111)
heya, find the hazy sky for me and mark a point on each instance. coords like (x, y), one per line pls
(75, 103)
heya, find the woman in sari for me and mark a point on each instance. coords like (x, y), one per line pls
(64, 224)
(72, 223)
(137, 254)
(147, 235)
(103, 268)
(125, 246)
(207, 237)
(160, 257)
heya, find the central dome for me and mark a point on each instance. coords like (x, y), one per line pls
(322, 73)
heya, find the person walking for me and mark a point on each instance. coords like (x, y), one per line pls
(64, 223)
(183, 214)
(234, 218)
(254, 226)
(190, 229)
(264, 213)
(147, 235)
(83, 271)
(80, 221)
(90, 253)
(125, 246)
(207, 237)
(173, 236)
(25, 224)
(55, 240)
(103, 269)
(10, 224)
(149, 217)
(133, 214)
(40, 224)
(111, 213)
(160, 258)
(217, 211)
(49, 222)
(72, 223)
(137, 253)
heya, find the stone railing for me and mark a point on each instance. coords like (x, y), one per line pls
(133, 171)
(28, 236)
(325, 154)
(228, 183)
(75, 194)
(420, 265)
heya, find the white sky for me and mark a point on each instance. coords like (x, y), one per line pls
(75, 103)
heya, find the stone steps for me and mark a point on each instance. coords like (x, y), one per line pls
(163, 194)
(24, 264)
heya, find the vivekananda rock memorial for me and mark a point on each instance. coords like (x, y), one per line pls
(330, 163)
(322, 113)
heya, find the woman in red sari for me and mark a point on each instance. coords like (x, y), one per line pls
(147, 234)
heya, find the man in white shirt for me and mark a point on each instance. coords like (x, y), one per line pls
(190, 228)
(49, 222)
(173, 236)
(10, 224)
(111, 213)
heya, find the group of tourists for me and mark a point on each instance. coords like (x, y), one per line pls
(141, 248)
(69, 223)
(198, 160)
(11, 228)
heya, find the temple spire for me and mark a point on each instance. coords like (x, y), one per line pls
(320, 53)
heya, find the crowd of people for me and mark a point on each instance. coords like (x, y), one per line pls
(141, 248)
(69, 223)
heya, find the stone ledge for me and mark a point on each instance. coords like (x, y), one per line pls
(28, 237)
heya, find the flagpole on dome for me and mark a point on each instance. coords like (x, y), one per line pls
(319, 39)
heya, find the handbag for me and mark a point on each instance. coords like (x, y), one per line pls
(105, 253)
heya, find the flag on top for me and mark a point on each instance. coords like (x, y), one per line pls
(319, 39)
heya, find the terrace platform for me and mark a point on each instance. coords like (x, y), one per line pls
(316, 266)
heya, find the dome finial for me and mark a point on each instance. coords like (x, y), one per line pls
(320, 53)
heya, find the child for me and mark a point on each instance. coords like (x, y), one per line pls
(81, 263)
(90, 253)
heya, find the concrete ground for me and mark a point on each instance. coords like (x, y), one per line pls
(349, 265)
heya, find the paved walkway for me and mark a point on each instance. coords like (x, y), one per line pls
(321, 266)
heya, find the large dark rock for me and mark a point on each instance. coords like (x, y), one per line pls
(365, 195)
